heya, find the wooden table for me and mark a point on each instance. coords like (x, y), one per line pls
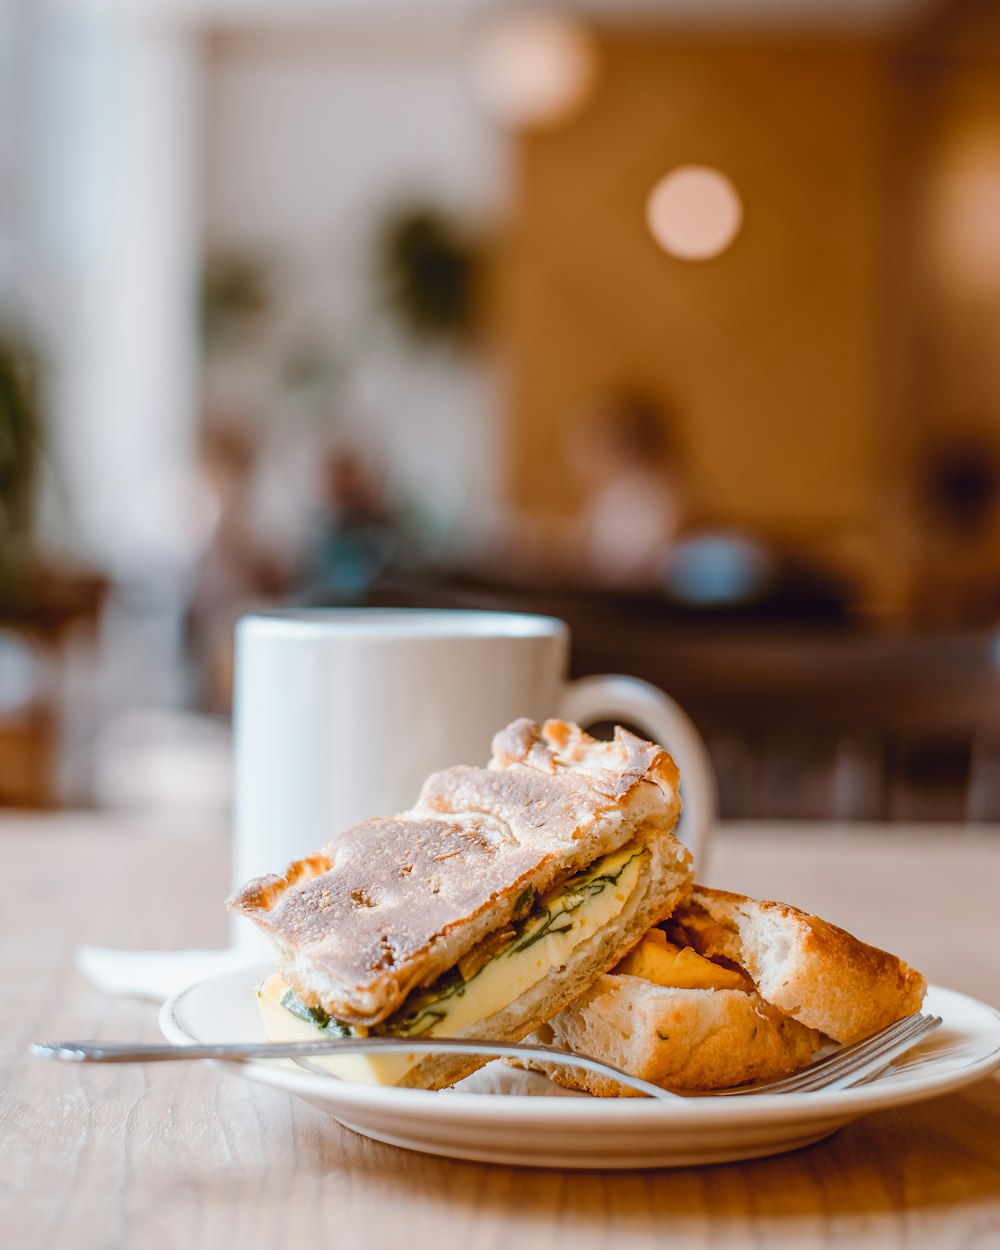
(188, 1156)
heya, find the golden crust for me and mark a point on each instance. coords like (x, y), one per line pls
(681, 1039)
(394, 902)
(810, 969)
(613, 768)
(810, 977)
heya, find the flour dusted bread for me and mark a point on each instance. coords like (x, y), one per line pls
(784, 982)
(808, 968)
(682, 1038)
(393, 905)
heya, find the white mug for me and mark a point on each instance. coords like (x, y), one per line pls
(340, 714)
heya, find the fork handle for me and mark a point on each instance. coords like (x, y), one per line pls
(130, 1052)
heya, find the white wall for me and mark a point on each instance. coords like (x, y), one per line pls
(109, 266)
(311, 138)
(145, 141)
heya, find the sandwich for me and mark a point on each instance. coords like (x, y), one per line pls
(730, 990)
(485, 909)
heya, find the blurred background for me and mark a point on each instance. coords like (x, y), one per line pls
(679, 319)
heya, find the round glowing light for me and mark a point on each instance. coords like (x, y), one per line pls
(694, 212)
(967, 219)
(532, 67)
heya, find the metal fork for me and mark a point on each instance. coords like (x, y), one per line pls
(849, 1066)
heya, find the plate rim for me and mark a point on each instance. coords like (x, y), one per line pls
(686, 1112)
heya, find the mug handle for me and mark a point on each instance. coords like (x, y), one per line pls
(613, 697)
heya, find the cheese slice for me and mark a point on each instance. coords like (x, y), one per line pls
(281, 1025)
(567, 917)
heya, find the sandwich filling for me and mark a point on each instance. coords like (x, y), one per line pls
(673, 966)
(486, 980)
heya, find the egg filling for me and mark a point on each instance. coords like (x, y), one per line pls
(553, 925)
(665, 963)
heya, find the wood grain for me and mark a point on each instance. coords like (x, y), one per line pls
(178, 1156)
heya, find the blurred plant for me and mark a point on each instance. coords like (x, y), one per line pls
(431, 274)
(20, 442)
(236, 294)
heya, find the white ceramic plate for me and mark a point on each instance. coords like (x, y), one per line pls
(503, 1115)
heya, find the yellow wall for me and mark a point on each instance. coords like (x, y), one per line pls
(768, 355)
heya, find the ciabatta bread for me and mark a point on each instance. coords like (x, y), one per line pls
(806, 980)
(681, 1038)
(392, 904)
(808, 968)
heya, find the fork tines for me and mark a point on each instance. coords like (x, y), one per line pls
(851, 1065)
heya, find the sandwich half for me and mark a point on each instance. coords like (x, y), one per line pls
(483, 910)
(727, 991)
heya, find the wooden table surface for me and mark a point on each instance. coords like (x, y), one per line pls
(193, 1157)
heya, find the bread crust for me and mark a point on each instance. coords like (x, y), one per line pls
(811, 970)
(811, 979)
(682, 1039)
(392, 903)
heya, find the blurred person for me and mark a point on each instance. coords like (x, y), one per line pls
(618, 450)
(638, 530)
(619, 447)
(958, 505)
(235, 572)
(357, 535)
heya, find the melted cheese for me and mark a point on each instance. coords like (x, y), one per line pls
(662, 962)
(571, 915)
(281, 1026)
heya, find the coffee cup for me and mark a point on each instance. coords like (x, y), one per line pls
(340, 714)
